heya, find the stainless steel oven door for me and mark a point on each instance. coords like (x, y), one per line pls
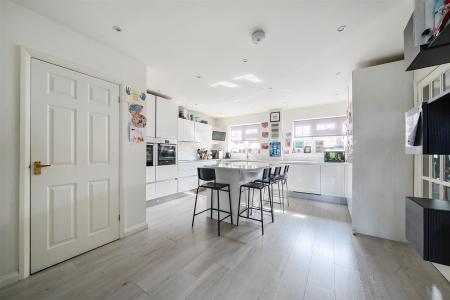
(167, 154)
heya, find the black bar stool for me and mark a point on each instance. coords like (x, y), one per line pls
(252, 186)
(283, 179)
(209, 177)
(275, 178)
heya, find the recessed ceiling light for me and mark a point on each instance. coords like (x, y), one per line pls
(117, 28)
(270, 88)
(245, 60)
(250, 77)
(341, 28)
(198, 76)
(225, 84)
(338, 73)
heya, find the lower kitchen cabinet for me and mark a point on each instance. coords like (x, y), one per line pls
(332, 177)
(187, 183)
(165, 188)
(305, 179)
(150, 191)
(322, 179)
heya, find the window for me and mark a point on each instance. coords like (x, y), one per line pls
(319, 134)
(433, 180)
(245, 139)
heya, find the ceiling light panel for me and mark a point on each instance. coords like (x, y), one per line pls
(225, 84)
(250, 77)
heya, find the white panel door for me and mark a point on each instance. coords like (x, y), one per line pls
(75, 129)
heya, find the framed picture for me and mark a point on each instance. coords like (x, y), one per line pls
(275, 116)
(307, 149)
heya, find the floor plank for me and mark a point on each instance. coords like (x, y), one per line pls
(307, 253)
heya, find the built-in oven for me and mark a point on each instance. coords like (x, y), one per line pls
(150, 154)
(167, 154)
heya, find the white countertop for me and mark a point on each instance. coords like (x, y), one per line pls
(242, 165)
(302, 162)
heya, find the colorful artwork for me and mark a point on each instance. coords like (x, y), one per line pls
(287, 142)
(265, 134)
(264, 124)
(275, 149)
(307, 149)
(137, 135)
(264, 146)
(137, 121)
(135, 96)
(299, 144)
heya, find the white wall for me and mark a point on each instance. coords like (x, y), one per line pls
(288, 116)
(21, 27)
(382, 172)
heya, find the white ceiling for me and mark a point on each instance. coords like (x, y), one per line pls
(303, 60)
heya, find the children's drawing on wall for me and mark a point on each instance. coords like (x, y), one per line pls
(137, 121)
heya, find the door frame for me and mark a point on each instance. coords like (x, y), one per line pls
(26, 55)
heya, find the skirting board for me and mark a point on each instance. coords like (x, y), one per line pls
(8, 279)
(444, 270)
(314, 197)
(136, 228)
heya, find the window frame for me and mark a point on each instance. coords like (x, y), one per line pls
(313, 138)
(421, 179)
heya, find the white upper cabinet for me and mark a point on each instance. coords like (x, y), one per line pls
(203, 134)
(186, 130)
(150, 129)
(166, 119)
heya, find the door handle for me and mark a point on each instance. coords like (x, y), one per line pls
(37, 166)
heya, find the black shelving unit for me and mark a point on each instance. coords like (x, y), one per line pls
(436, 52)
(428, 228)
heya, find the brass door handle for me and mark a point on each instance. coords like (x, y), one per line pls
(37, 166)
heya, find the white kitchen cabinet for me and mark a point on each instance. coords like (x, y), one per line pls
(150, 107)
(166, 119)
(332, 179)
(186, 130)
(166, 188)
(150, 191)
(150, 174)
(203, 134)
(187, 183)
(187, 169)
(305, 178)
(166, 172)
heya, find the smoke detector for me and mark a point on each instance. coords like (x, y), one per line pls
(258, 36)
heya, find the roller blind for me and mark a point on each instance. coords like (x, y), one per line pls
(320, 127)
(240, 133)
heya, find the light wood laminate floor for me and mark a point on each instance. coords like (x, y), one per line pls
(308, 253)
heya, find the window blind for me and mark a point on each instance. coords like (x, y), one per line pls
(241, 133)
(320, 127)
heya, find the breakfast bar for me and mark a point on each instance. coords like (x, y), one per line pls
(235, 174)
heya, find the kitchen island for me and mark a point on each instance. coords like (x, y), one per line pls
(235, 173)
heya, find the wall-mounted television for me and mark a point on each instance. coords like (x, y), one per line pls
(218, 136)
